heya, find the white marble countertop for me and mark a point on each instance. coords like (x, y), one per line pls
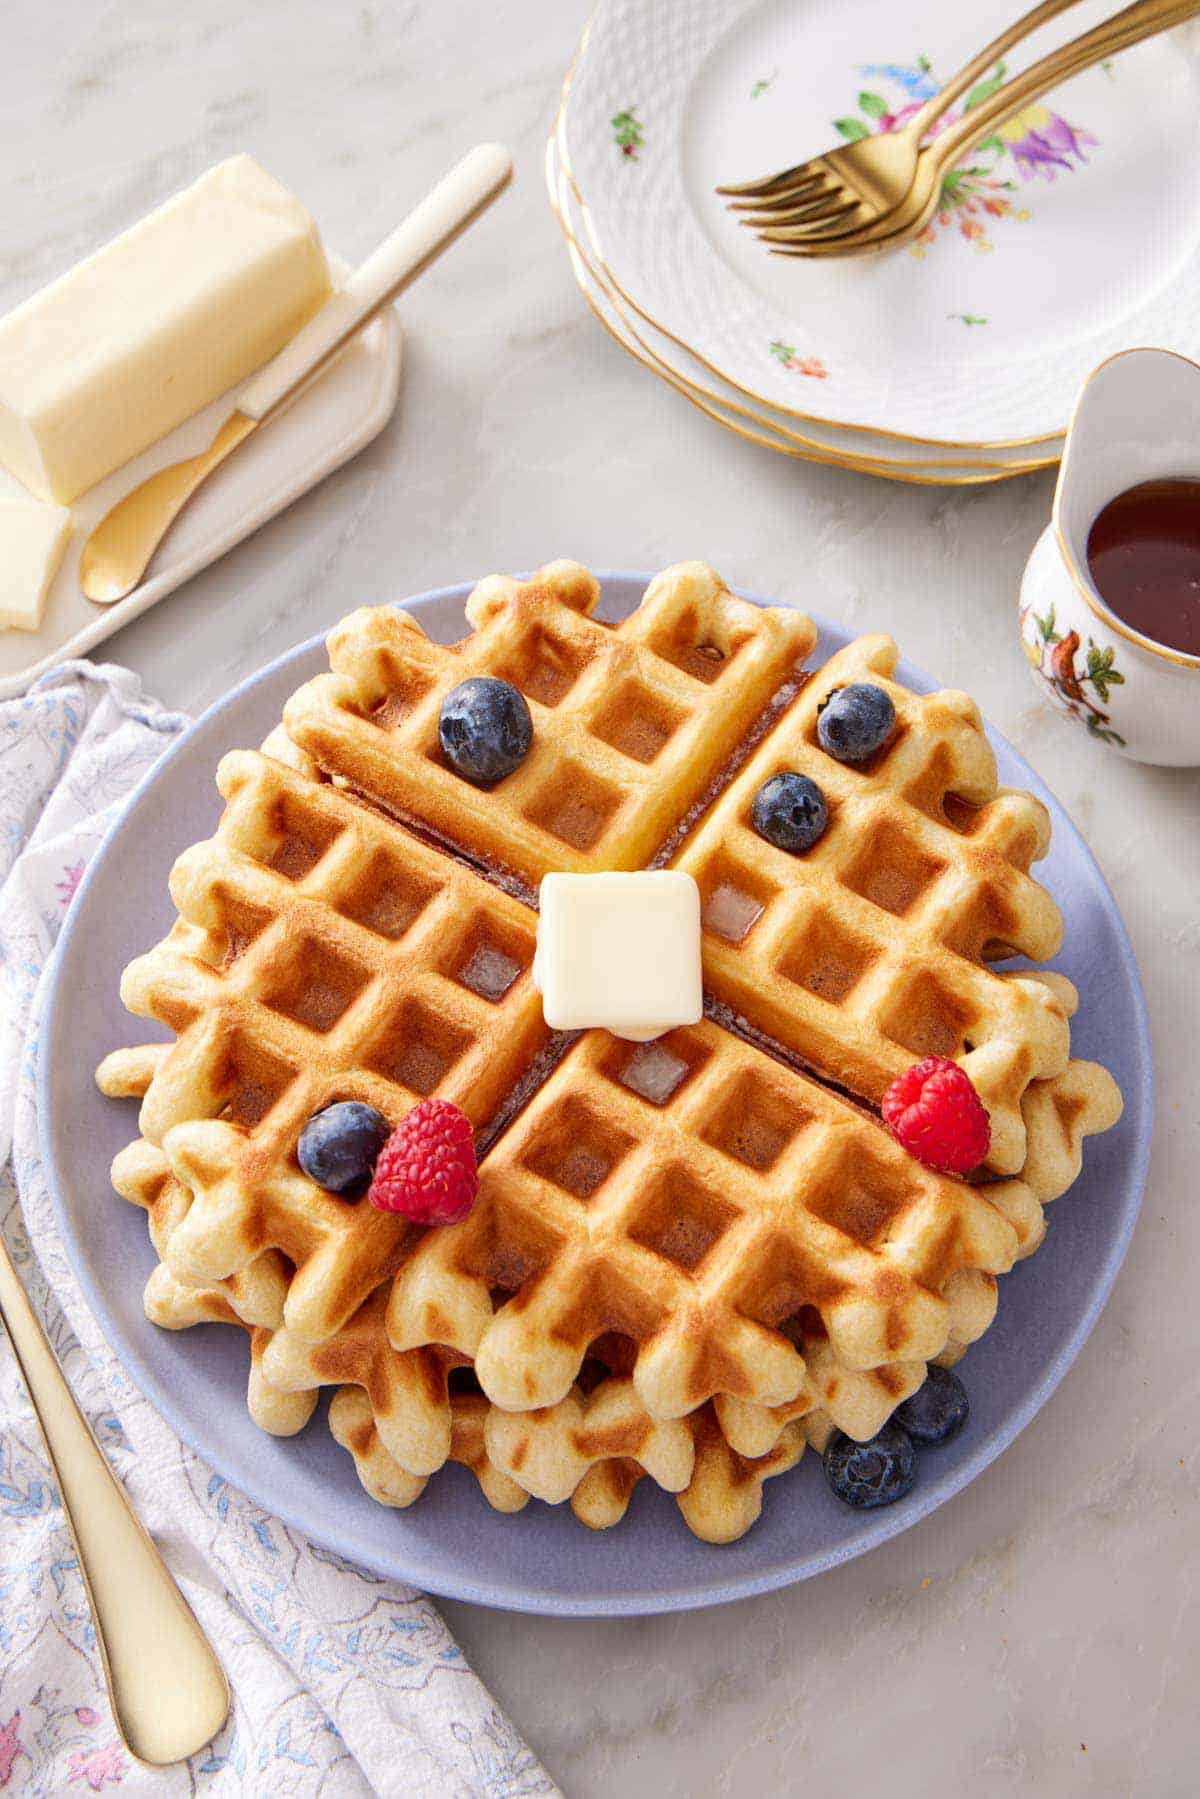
(1040, 1633)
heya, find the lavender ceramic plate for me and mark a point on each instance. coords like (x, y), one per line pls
(451, 1542)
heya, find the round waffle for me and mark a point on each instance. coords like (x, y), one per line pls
(718, 1216)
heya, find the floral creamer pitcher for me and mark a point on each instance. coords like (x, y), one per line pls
(1110, 598)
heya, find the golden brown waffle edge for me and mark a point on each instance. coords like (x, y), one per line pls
(632, 723)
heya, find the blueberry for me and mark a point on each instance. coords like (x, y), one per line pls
(937, 1409)
(339, 1144)
(485, 729)
(855, 721)
(789, 811)
(874, 1473)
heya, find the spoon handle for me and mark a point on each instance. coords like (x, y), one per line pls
(168, 1692)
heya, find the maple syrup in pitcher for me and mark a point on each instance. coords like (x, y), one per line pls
(1143, 552)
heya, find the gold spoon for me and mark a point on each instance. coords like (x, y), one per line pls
(120, 549)
(168, 1691)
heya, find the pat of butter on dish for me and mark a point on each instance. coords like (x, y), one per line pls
(141, 335)
(33, 536)
(619, 951)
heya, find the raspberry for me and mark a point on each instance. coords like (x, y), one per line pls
(936, 1114)
(427, 1168)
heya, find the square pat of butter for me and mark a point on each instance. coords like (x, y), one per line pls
(33, 536)
(621, 951)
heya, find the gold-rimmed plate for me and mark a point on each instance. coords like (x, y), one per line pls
(1075, 230)
(727, 406)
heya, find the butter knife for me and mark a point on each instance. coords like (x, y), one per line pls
(120, 549)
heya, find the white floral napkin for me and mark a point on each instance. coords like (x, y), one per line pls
(343, 1683)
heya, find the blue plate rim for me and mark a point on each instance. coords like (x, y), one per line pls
(885, 1524)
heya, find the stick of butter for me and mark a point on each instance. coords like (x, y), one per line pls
(33, 536)
(138, 337)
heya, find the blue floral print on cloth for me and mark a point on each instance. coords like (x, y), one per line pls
(343, 1684)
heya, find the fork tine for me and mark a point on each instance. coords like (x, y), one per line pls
(844, 244)
(841, 231)
(768, 184)
(824, 207)
(830, 221)
(812, 183)
(813, 199)
(799, 223)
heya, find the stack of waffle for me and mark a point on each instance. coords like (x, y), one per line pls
(688, 1258)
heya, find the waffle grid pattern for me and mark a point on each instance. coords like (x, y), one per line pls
(872, 950)
(770, 1262)
(592, 1449)
(632, 723)
(321, 955)
(695, 1225)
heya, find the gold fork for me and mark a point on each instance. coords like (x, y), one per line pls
(1143, 19)
(853, 186)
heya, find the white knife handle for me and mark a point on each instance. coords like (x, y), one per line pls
(447, 210)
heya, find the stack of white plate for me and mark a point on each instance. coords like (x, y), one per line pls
(1073, 232)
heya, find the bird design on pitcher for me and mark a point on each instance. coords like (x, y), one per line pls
(1053, 656)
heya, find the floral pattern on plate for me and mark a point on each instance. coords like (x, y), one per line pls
(1035, 143)
(680, 258)
(627, 131)
(788, 357)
